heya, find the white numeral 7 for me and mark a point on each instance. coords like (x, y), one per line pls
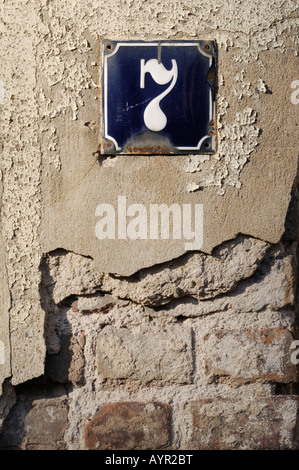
(154, 118)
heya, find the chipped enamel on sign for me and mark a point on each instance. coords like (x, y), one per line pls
(158, 97)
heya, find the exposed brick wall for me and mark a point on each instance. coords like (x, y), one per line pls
(190, 374)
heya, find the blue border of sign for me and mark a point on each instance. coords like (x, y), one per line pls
(206, 143)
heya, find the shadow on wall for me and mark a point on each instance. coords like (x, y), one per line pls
(39, 418)
(292, 218)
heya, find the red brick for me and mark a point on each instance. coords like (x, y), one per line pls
(128, 426)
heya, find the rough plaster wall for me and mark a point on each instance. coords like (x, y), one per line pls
(52, 178)
(251, 40)
(21, 194)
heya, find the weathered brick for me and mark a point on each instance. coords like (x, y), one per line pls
(129, 425)
(45, 425)
(223, 424)
(38, 420)
(146, 353)
(250, 355)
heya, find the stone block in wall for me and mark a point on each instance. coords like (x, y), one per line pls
(129, 426)
(196, 274)
(257, 424)
(145, 353)
(97, 303)
(68, 365)
(45, 425)
(249, 355)
(272, 286)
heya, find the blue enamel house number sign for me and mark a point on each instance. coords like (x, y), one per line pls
(158, 97)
